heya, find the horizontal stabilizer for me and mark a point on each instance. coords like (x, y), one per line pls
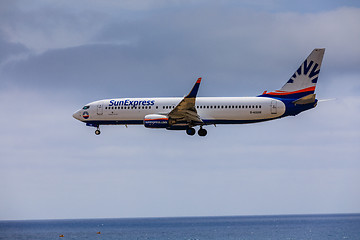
(305, 100)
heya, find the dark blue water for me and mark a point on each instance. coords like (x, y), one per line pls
(344, 226)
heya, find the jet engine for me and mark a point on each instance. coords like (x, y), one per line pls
(156, 121)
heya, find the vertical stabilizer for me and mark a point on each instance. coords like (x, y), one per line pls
(307, 74)
(303, 81)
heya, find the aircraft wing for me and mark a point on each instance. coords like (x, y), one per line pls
(185, 111)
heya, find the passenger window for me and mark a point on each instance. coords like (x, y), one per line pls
(157, 107)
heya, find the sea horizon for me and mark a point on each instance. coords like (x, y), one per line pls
(185, 216)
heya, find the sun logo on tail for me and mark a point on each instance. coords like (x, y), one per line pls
(306, 72)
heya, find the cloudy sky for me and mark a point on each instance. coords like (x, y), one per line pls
(56, 56)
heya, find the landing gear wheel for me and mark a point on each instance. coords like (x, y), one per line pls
(202, 132)
(190, 131)
(97, 132)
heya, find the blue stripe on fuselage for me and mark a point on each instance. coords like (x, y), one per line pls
(206, 121)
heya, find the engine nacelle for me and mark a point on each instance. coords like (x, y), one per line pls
(156, 121)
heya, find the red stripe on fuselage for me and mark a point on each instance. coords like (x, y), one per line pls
(278, 92)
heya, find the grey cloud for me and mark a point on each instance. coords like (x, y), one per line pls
(101, 68)
(228, 47)
(43, 25)
(8, 49)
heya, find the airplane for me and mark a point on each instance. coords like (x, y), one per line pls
(175, 113)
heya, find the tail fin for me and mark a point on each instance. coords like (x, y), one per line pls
(303, 81)
(307, 74)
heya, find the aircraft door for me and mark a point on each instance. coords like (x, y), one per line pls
(273, 107)
(99, 109)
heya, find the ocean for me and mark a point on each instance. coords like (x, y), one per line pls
(289, 227)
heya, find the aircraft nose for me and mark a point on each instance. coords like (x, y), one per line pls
(76, 115)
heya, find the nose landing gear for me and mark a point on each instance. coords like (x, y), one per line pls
(97, 131)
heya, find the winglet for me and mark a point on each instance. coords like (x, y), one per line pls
(194, 90)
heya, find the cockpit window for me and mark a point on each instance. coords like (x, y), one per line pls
(86, 107)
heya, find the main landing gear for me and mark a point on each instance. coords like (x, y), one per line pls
(191, 131)
(202, 132)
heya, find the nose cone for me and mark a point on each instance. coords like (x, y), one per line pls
(77, 115)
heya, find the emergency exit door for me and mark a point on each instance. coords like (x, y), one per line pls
(100, 109)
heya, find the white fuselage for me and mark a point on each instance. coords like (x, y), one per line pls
(212, 110)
